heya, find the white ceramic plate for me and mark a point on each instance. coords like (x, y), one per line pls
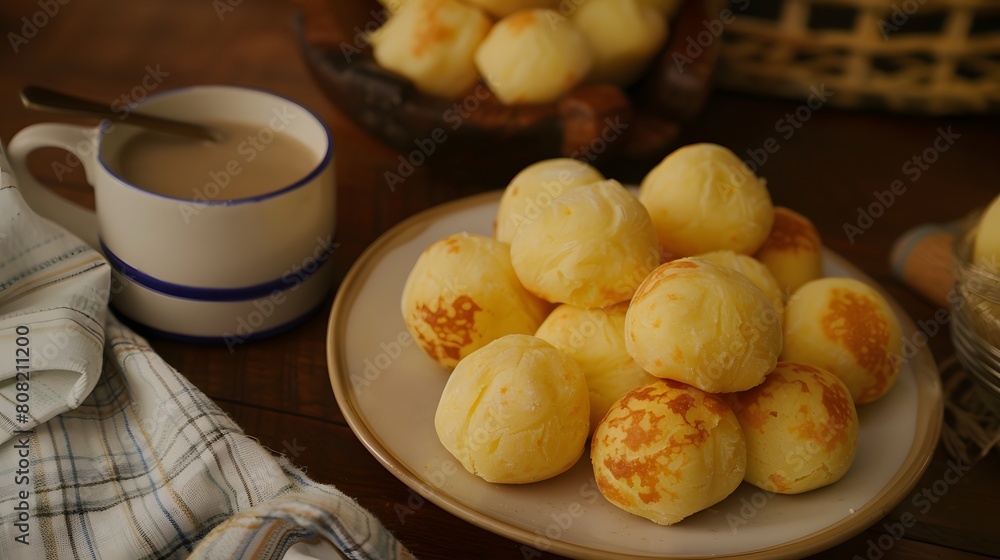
(388, 391)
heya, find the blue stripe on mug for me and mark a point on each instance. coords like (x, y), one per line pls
(292, 278)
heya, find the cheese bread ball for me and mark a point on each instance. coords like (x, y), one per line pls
(792, 251)
(668, 450)
(432, 43)
(527, 58)
(590, 247)
(623, 34)
(844, 326)
(702, 198)
(515, 411)
(534, 188)
(986, 249)
(801, 429)
(462, 293)
(703, 324)
(595, 339)
(502, 8)
(756, 273)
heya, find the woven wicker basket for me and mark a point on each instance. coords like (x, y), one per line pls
(909, 56)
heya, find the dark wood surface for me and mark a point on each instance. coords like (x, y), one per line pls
(278, 389)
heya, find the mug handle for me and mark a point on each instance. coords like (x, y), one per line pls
(79, 220)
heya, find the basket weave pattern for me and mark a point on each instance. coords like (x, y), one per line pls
(909, 56)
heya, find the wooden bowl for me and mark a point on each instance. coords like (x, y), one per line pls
(592, 123)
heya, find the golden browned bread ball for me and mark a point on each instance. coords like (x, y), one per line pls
(755, 271)
(702, 198)
(847, 328)
(595, 338)
(515, 411)
(623, 34)
(502, 8)
(534, 188)
(590, 247)
(462, 293)
(801, 429)
(432, 42)
(792, 251)
(668, 450)
(527, 58)
(703, 324)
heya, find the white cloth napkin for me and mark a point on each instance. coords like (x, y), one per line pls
(107, 452)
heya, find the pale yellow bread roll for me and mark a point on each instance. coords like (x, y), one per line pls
(668, 450)
(590, 247)
(432, 43)
(535, 187)
(801, 429)
(595, 339)
(702, 198)
(703, 324)
(986, 249)
(756, 272)
(515, 411)
(844, 326)
(532, 57)
(623, 35)
(503, 8)
(393, 5)
(792, 251)
(462, 293)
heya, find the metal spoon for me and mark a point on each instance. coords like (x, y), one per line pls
(44, 99)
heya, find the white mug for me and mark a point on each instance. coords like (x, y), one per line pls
(199, 266)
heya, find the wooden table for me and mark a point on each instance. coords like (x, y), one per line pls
(278, 389)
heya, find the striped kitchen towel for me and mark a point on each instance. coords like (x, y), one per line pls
(107, 452)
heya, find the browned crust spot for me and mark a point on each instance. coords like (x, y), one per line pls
(791, 232)
(854, 320)
(453, 326)
(430, 31)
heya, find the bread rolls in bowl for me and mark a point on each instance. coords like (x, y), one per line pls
(668, 450)
(515, 411)
(462, 294)
(801, 429)
(590, 247)
(533, 56)
(432, 42)
(703, 324)
(846, 327)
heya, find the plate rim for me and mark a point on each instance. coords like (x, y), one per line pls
(930, 417)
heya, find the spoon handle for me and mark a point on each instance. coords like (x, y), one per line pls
(44, 99)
